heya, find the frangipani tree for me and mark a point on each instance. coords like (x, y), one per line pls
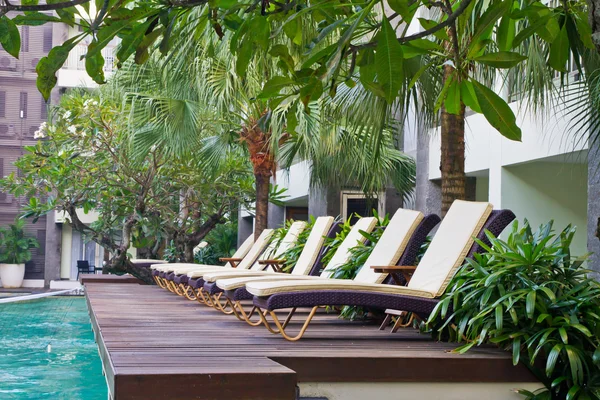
(85, 163)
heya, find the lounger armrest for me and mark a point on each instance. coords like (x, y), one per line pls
(275, 264)
(393, 268)
(233, 261)
(406, 271)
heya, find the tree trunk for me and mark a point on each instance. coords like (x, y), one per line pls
(594, 19)
(453, 153)
(119, 266)
(262, 203)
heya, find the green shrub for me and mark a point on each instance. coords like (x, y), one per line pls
(222, 242)
(15, 245)
(528, 295)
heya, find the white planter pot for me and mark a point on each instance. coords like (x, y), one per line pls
(12, 275)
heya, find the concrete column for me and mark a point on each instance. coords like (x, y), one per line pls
(276, 217)
(393, 201)
(53, 249)
(245, 229)
(323, 202)
(428, 194)
(593, 207)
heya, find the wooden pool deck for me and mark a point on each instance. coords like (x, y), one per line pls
(157, 345)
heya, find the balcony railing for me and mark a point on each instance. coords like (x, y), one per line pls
(76, 59)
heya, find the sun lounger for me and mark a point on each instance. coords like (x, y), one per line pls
(449, 248)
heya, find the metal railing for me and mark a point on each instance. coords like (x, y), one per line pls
(76, 59)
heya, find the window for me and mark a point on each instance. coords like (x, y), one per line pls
(2, 104)
(355, 202)
(25, 39)
(47, 38)
(23, 105)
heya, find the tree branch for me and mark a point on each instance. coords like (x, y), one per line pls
(40, 7)
(450, 20)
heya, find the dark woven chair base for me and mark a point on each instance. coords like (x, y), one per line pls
(419, 305)
(170, 276)
(155, 272)
(212, 288)
(196, 283)
(238, 294)
(181, 279)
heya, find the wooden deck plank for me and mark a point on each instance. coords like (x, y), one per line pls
(155, 344)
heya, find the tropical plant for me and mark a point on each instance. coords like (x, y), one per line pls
(529, 296)
(331, 245)
(15, 244)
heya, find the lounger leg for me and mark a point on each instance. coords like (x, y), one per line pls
(400, 322)
(282, 327)
(180, 289)
(246, 317)
(219, 306)
(234, 309)
(160, 282)
(263, 318)
(189, 293)
(385, 322)
(200, 296)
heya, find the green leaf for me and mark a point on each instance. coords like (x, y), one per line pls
(467, 93)
(552, 358)
(530, 304)
(499, 317)
(497, 112)
(501, 59)
(452, 102)
(563, 335)
(389, 61)
(403, 8)
(312, 91)
(47, 66)
(559, 51)
(506, 33)
(274, 86)
(94, 64)
(141, 52)
(9, 36)
(67, 15)
(490, 16)
(34, 18)
(428, 24)
(244, 55)
(596, 357)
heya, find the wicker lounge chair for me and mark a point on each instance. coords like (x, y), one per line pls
(446, 253)
(340, 257)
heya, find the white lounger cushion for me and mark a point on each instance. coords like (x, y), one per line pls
(451, 244)
(354, 237)
(388, 250)
(391, 245)
(445, 254)
(313, 245)
(244, 247)
(306, 260)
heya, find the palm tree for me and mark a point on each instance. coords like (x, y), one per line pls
(197, 101)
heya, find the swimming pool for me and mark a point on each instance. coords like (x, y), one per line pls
(72, 370)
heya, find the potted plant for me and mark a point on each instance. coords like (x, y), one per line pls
(14, 253)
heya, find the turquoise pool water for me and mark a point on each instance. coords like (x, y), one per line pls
(71, 371)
